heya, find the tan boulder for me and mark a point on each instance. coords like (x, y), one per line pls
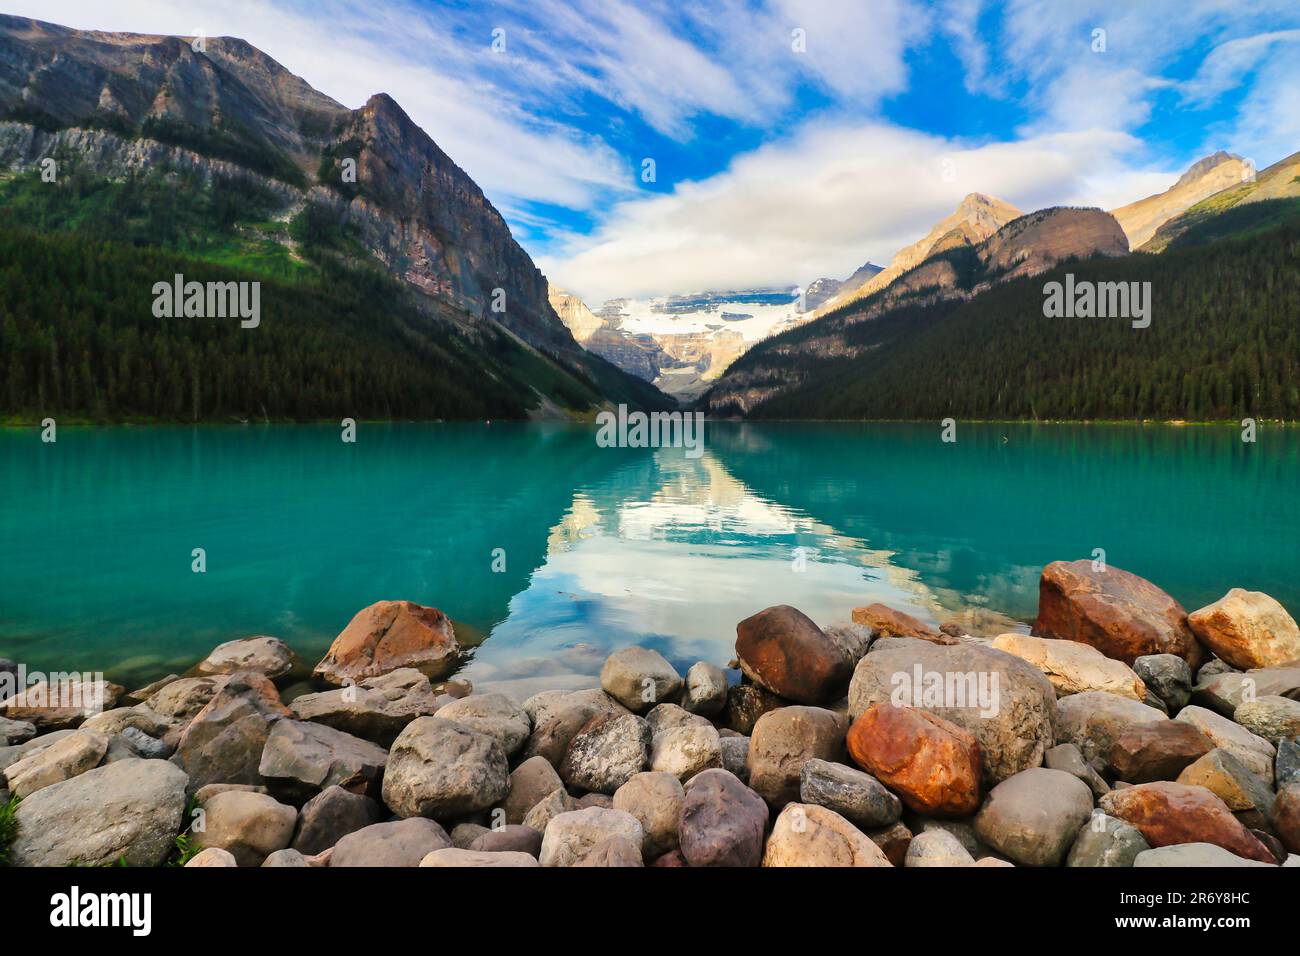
(388, 635)
(805, 834)
(1072, 667)
(1248, 629)
(1251, 749)
(783, 741)
(65, 758)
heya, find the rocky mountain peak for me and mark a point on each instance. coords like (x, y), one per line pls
(1204, 165)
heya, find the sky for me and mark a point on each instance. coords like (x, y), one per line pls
(660, 146)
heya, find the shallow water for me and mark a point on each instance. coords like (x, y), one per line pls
(603, 547)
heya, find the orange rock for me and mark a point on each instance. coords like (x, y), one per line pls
(388, 635)
(932, 764)
(1171, 813)
(1122, 615)
(1159, 750)
(886, 622)
(782, 650)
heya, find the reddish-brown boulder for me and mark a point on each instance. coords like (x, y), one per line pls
(1286, 815)
(932, 764)
(1159, 750)
(782, 650)
(1122, 615)
(388, 635)
(1170, 813)
(884, 621)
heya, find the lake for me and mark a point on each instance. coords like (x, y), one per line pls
(602, 547)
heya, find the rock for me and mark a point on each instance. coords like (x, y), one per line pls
(183, 699)
(331, 815)
(1156, 751)
(1247, 629)
(783, 741)
(62, 705)
(302, 758)
(1251, 749)
(212, 856)
(208, 791)
(613, 851)
(463, 834)
(1273, 718)
(439, 768)
(1106, 842)
(745, 704)
(858, 797)
(250, 826)
(542, 707)
(378, 708)
(15, 731)
(1168, 813)
(452, 857)
(569, 836)
(723, 821)
(145, 746)
(639, 678)
(937, 848)
(606, 752)
(128, 811)
(558, 716)
(389, 635)
(706, 689)
(656, 800)
(1035, 816)
(735, 755)
(530, 783)
(663, 717)
(886, 622)
(224, 741)
(512, 838)
(675, 859)
(894, 840)
(140, 718)
(1167, 676)
(286, 858)
(269, 656)
(495, 715)
(933, 764)
(397, 843)
(1073, 667)
(1227, 691)
(1286, 816)
(806, 834)
(1094, 720)
(686, 750)
(546, 810)
(1246, 793)
(604, 800)
(1122, 615)
(1288, 763)
(1067, 757)
(782, 650)
(1192, 854)
(62, 760)
(1005, 703)
(131, 698)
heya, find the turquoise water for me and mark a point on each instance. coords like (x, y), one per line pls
(602, 547)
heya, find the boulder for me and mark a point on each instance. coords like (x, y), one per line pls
(606, 752)
(858, 797)
(250, 826)
(894, 840)
(269, 656)
(570, 836)
(530, 783)
(15, 731)
(557, 720)
(62, 760)
(129, 811)
(378, 708)
(782, 650)
(706, 689)
(1093, 721)
(547, 809)
(181, 700)
(1246, 793)
(224, 741)
(613, 851)
(301, 759)
(656, 800)
(670, 717)
(1225, 692)
(493, 714)
(1273, 718)
(1005, 703)
(936, 848)
(1247, 629)
(884, 621)
(452, 857)
(1072, 667)
(396, 843)
(1286, 816)
(1106, 842)
(389, 635)
(439, 768)
(1251, 749)
(735, 755)
(1122, 615)
(639, 678)
(1193, 854)
(62, 705)
(331, 815)
(933, 764)
(1288, 763)
(722, 822)
(783, 741)
(287, 858)
(512, 838)
(1035, 816)
(1068, 757)
(685, 750)
(212, 856)
(1156, 751)
(745, 704)
(1167, 676)
(464, 834)
(806, 834)
(1168, 813)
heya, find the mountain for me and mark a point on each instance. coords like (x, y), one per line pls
(1203, 179)
(573, 312)
(272, 161)
(955, 270)
(821, 291)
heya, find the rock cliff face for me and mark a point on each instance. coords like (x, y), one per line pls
(573, 312)
(1036, 242)
(1207, 176)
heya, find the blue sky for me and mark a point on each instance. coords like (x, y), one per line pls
(791, 138)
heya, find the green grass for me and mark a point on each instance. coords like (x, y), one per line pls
(8, 828)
